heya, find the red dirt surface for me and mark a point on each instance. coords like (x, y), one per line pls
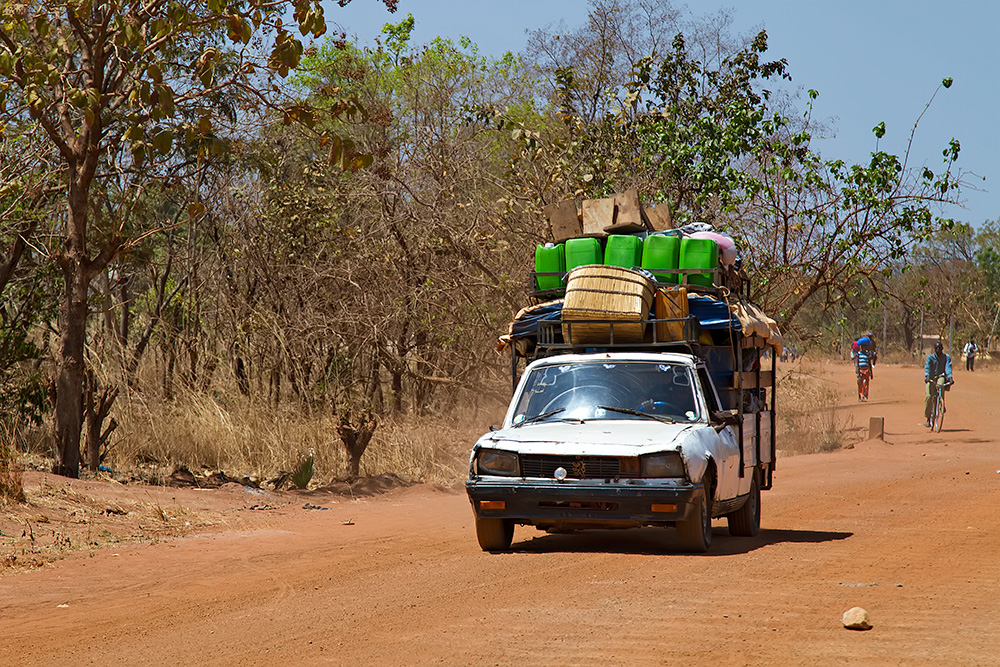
(906, 528)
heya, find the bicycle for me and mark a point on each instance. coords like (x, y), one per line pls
(864, 379)
(938, 407)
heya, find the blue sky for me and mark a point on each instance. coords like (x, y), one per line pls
(871, 61)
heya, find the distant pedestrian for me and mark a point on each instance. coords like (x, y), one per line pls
(970, 354)
(866, 343)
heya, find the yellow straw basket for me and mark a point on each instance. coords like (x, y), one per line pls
(606, 304)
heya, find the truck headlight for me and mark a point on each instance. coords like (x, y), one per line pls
(497, 462)
(667, 464)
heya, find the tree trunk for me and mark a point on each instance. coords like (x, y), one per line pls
(168, 371)
(78, 271)
(373, 392)
(397, 391)
(240, 371)
(70, 369)
(355, 433)
(908, 333)
(97, 408)
(125, 321)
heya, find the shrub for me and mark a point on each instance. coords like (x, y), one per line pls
(11, 485)
(242, 437)
(808, 417)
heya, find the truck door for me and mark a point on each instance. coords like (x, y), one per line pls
(728, 460)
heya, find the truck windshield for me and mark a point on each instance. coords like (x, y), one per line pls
(585, 391)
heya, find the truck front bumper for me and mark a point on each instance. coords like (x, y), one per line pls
(582, 503)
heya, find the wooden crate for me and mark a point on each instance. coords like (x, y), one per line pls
(628, 214)
(659, 218)
(671, 304)
(598, 214)
(564, 221)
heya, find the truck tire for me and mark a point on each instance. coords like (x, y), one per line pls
(745, 522)
(494, 534)
(695, 534)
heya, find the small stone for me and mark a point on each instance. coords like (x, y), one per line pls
(856, 618)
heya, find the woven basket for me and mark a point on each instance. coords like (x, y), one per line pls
(606, 304)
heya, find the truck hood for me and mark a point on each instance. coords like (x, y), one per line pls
(592, 438)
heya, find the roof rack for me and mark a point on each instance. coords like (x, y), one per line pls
(722, 280)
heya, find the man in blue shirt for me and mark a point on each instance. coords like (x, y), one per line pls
(937, 369)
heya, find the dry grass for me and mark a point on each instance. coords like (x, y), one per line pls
(11, 483)
(808, 420)
(243, 438)
(898, 355)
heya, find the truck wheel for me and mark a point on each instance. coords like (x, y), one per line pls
(695, 534)
(494, 534)
(745, 522)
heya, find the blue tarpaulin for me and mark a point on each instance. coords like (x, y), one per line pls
(526, 324)
(712, 313)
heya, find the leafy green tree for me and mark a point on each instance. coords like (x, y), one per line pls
(707, 135)
(652, 99)
(817, 228)
(116, 85)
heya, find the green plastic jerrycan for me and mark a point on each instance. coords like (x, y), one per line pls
(582, 251)
(623, 250)
(699, 254)
(550, 258)
(661, 251)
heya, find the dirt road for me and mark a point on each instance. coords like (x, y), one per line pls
(907, 528)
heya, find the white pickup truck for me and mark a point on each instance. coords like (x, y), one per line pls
(620, 439)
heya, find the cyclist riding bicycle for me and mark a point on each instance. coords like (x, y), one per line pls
(937, 372)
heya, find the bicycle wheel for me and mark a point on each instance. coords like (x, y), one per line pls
(938, 418)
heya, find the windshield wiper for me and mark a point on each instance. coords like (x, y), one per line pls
(538, 418)
(637, 413)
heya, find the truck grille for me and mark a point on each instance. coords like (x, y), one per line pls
(577, 467)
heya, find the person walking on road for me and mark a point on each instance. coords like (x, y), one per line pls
(937, 370)
(970, 354)
(865, 343)
(863, 370)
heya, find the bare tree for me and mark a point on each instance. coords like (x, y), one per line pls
(128, 78)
